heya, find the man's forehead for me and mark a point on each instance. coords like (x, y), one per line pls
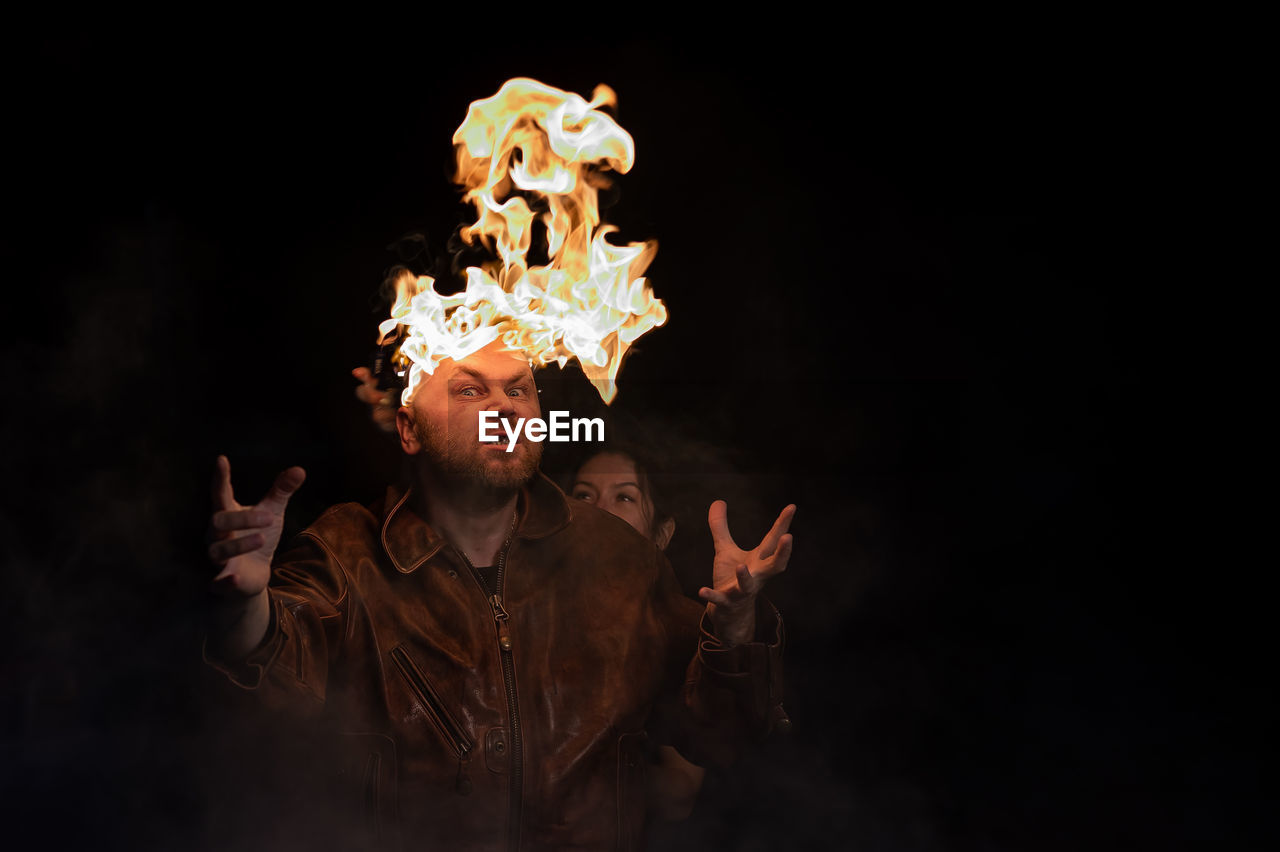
(489, 363)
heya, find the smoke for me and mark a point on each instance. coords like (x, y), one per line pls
(995, 638)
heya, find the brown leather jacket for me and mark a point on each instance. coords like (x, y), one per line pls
(512, 721)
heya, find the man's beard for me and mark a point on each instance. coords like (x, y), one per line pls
(457, 458)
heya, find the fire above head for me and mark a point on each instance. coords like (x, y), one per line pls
(532, 153)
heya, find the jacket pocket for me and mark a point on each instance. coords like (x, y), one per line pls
(369, 771)
(444, 721)
(632, 765)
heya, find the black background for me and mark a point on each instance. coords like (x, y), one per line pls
(909, 289)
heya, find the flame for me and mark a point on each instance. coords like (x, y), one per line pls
(535, 153)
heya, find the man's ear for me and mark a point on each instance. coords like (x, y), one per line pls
(404, 427)
(666, 529)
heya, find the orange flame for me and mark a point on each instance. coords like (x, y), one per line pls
(533, 147)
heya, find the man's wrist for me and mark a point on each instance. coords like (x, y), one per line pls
(736, 626)
(237, 626)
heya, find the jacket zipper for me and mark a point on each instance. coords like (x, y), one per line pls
(500, 618)
(513, 705)
(443, 719)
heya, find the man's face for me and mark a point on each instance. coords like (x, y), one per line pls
(444, 422)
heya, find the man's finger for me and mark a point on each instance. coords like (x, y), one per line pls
(779, 528)
(367, 391)
(777, 563)
(225, 585)
(241, 519)
(731, 598)
(718, 520)
(716, 597)
(224, 549)
(220, 486)
(282, 489)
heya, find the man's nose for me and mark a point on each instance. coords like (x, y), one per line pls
(501, 403)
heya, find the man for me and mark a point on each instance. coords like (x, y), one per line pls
(488, 655)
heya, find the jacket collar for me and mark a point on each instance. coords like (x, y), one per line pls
(410, 541)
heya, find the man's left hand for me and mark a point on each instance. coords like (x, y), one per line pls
(738, 575)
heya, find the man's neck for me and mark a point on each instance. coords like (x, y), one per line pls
(473, 519)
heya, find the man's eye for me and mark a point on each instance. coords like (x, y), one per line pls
(468, 391)
(518, 393)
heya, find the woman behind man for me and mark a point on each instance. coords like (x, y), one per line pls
(613, 480)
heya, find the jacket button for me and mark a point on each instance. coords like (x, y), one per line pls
(784, 725)
(504, 643)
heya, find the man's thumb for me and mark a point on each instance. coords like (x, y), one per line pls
(289, 481)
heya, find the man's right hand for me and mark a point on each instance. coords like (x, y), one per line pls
(241, 542)
(242, 539)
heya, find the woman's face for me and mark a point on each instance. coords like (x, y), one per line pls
(610, 481)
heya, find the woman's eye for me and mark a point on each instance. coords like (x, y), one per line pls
(585, 496)
(626, 498)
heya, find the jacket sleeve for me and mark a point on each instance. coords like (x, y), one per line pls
(308, 600)
(730, 696)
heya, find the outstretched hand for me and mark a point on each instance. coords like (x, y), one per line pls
(242, 539)
(738, 575)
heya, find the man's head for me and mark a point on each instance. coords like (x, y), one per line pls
(441, 427)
